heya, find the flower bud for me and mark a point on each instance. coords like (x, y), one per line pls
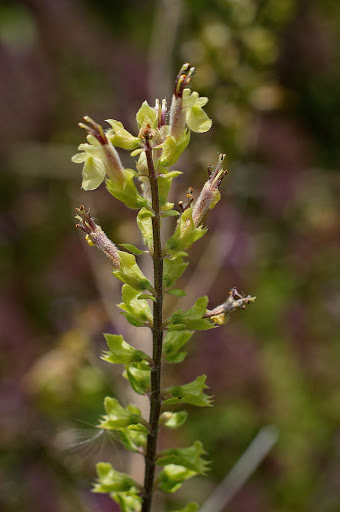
(96, 236)
(210, 194)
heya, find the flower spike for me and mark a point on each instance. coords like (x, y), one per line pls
(162, 135)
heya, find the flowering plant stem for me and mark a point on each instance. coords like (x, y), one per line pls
(157, 338)
(158, 146)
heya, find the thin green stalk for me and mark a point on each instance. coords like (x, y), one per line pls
(157, 338)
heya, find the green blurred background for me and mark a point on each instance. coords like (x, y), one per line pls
(270, 70)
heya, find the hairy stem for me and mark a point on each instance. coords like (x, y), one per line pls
(157, 338)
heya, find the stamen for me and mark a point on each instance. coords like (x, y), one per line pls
(96, 130)
(87, 223)
(190, 199)
(218, 174)
(183, 79)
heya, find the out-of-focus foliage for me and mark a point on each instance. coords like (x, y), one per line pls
(270, 71)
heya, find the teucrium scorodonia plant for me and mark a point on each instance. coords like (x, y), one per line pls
(162, 137)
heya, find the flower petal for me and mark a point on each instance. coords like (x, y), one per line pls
(197, 120)
(93, 174)
(79, 158)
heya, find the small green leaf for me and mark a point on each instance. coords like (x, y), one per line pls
(130, 273)
(172, 477)
(176, 327)
(110, 480)
(170, 213)
(164, 184)
(198, 309)
(147, 115)
(189, 458)
(121, 352)
(120, 137)
(135, 305)
(185, 234)
(179, 254)
(144, 221)
(128, 501)
(199, 325)
(133, 320)
(173, 419)
(191, 393)
(117, 416)
(146, 296)
(173, 269)
(133, 437)
(173, 341)
(132, 249)
(126, 192)
(139, 376)
(177, 292)
(192, 318)
(172, 149)
(191, 507)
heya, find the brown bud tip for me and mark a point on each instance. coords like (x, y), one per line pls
(147, 133)
(94, 129)
(183, 79)
(217, 174)
(86, 221)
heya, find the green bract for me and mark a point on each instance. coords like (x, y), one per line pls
(191, 507)
(164, 184)
(172, 477)
(145, 226)
(130, 273)
(146, 115)
(185, 234)
(110, 480)
(133, 437)
(117, 417)
(134, 307)
(173, 269)
(173, 419)
(127, 193)
(121, 352)
(139, 375)
(172, 149)
(189, 458)
(192, 318)
(191, 393)
(173, 341)
(128, 501)
(120, 137)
